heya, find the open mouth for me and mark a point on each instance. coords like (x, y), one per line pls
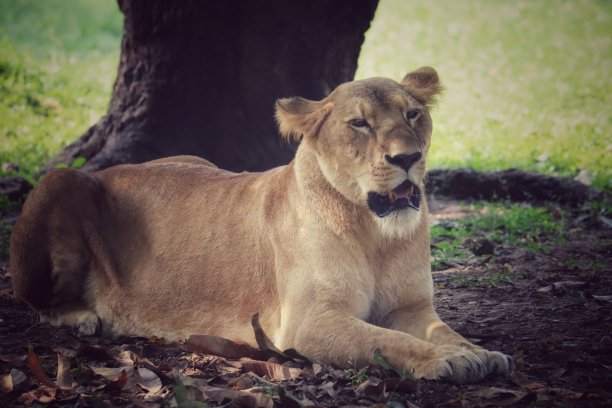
(406, 195)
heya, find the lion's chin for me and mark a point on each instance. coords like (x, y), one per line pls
(405, 197)
(399, 224)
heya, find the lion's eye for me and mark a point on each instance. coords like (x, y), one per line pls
(359, 123)
(412, 114)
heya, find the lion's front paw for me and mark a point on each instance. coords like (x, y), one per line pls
(495, 361)
(454, 363)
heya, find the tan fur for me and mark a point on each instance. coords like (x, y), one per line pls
(176, 247)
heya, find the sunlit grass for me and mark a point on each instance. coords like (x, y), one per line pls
(528, 83)
(58, 60)
(520, 225)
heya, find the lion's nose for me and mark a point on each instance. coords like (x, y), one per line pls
(405, 161)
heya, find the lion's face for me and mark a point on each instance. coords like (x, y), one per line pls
(371, 138)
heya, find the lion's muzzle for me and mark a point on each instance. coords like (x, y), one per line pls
(404, 196)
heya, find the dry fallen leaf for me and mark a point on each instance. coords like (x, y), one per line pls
(112, 373)
(64, 376)
(242, 383)
(42, 394)
(18, 361)
(220, 346)
(9, 381)
(543, 390)
(494, 397)
(559, 288)
(65, 352)
(519, 379)
(147, 379)
(603, 298)
(274, 371)
(239, 398)
(118, 384)
(37, 371)
(143, 404)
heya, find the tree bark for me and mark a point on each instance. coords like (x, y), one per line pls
(201, 77)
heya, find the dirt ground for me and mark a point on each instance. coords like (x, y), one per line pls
(551, 311)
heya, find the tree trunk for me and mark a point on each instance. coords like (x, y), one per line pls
(201, 78)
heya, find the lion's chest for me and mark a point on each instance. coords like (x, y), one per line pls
(399, 282)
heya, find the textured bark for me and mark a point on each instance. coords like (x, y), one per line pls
(201, 77)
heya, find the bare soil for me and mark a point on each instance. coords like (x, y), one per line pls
(551, 310)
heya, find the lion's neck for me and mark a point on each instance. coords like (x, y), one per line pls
(321, 196)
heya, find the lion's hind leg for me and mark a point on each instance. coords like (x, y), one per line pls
(50, 258)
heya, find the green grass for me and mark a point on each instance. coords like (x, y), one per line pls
(58, 61)
(528, 83)
(518, 225)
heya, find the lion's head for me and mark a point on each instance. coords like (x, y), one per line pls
(371, 138)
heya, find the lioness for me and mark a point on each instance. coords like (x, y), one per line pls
(332, 250)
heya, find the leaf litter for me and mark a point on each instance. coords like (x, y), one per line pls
(550, 310)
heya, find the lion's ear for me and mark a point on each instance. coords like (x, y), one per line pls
(424, 85)
(298, 117)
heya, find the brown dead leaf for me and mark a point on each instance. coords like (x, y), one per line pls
(542, 390)
(64, 376)
(519, 379)
(562, 392)
(190, 382)
(143, 404)
(65, 352)
(274, 371)
(118, 384)
(112, 373)
(239, 398)
(226, 367)
(42, 394)
(376, 386)
(242, 383)
(288, 400)
(329, 387)
(37, 370)
(372, 386)
(17, 361)
(147, 379)
(559, 288)
(9, 381)
(603, 298)
(219, 346)
(494, 397)
(126, 354)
